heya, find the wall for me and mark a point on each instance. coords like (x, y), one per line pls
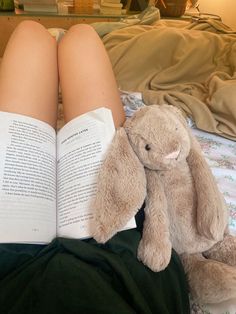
(225, 8)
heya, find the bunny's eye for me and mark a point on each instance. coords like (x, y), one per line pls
(176, 129)
(147, 147)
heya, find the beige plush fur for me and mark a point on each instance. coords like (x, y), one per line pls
(155, 158)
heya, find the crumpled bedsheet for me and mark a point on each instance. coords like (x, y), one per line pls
(188, 65)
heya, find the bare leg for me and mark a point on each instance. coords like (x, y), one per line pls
(86, 75)
(28, 74)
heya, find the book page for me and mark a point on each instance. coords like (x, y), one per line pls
(81, 148)
(27, 179)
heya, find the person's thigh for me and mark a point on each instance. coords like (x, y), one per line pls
(29, 74)
(86, 76)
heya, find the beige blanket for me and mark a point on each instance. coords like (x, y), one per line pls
(189, 65)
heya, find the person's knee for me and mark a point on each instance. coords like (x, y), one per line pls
(31, 31)
(29, 27)
(77, 34)
(82, 29)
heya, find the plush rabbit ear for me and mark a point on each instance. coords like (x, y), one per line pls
(211, 210)
(121, 188)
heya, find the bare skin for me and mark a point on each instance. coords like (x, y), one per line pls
(30, 68)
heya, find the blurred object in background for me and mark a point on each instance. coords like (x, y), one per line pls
(83, 6)
(65, 6)
(135, 5)
(7, 5)
(35, 6)
(171, 8)
(111, 7)
(193, 3)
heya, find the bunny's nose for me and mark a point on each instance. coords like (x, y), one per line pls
(173, 155)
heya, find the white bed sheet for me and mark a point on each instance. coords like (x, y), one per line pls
(220, 154)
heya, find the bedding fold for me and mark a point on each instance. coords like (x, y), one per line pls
(147, 17)
(182, 65)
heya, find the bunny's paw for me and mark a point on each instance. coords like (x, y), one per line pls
(156, 257)
(212, 223)
(101, 233)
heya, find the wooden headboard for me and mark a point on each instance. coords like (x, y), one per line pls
(9, 21)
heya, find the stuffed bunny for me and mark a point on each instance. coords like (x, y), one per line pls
(155, 158)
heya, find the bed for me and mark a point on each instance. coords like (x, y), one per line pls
(188, 64)
(191, 65)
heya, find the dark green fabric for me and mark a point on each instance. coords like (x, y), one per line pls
(71, 276)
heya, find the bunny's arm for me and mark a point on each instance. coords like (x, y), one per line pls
(155, 247)
(211, 209)
(121, 188)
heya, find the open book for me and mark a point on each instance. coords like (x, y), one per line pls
(48, 181)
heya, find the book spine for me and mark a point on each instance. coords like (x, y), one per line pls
(111, 11)
(111, 5)
(112, 1)
(38, 2)
(35, 8)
